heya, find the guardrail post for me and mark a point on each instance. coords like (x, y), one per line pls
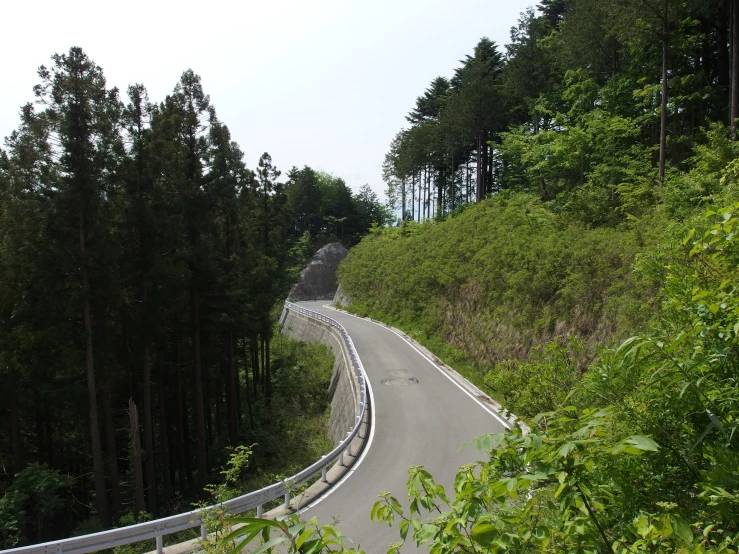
(341, 456)
(259, 511)
(287, 495)
(160, 544)
(323, 472)
(349, 443)
(203, 532)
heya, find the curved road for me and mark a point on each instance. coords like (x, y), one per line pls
(424, 423)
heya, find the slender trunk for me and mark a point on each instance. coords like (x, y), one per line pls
(39, 421)
(49, 436)
(663, 114)
(254, 347)
(268, 373)
(198, 389)
(265, 377)
(112, 449)
(413, 196)
(182, 469)
(208, 415)
(734, 66)
(138, 474)
(485, 166)
(420, 192)
(97, 454)
(439, 196)
(451, 196)
(151, 483)
(218, 403)
(723, 58)
(15, 429)
(233, 420)
(479, 179)
(249, 403)
(402, 199)
(164, 448)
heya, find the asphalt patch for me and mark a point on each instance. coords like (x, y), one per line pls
(398, 378)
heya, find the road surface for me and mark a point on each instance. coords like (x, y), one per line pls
(421, 423)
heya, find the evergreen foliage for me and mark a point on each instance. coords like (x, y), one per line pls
(142, 261)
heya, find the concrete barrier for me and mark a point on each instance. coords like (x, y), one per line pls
(344, 387)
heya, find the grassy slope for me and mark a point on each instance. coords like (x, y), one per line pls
(499, 284)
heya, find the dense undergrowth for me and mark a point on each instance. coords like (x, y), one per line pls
(286, 439)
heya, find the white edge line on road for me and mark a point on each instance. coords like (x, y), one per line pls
(505, 423)
(365, 449)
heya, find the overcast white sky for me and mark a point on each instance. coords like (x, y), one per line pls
(325, 83)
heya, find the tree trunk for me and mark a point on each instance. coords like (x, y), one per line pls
(265, 377)
(484, 161)
(402, 199)
(97, 454)
(663, 114)
(723, 58)
(15, 429)
(218, 403)
(112, 449)
(49, 436)
(164, 448)
(734, 66)
(232, 387)
(183, 469)
(479, 177)
(151, 483)
(249, 403)
(254, 347)
(138, 474)
(268, 373)
(198, 389)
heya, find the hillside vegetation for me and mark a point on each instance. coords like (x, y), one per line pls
(617, 344)
(591, 287)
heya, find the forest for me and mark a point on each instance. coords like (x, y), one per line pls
(142, 264)
(568, 241)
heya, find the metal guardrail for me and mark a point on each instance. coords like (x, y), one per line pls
(158, 528)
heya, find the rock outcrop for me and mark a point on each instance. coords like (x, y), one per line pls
(318, 278)
(341, 299)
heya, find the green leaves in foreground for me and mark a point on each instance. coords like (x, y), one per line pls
(289, 532)
(550, 491)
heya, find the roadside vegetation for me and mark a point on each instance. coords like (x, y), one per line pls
(593, 290)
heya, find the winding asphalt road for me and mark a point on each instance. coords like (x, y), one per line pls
(415, 424)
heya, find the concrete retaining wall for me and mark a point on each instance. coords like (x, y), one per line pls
(344, 389)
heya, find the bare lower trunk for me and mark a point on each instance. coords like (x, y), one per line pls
(138, 474)
(663, 114)
(265, 377)
(151, 483)
(97, 453)
(198, 390)
(734, 66)
(112, 450)
(479, 176)
(164, 448)
(255, 361)
(268, 373)
(246, 385)
(231, 388)
(181, 421)
(15, 429)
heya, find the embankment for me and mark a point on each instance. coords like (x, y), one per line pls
(343, 390)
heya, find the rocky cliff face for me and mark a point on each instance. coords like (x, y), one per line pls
(341, 299)
(318, 278)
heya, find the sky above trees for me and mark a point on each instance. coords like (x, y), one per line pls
(323, 83)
